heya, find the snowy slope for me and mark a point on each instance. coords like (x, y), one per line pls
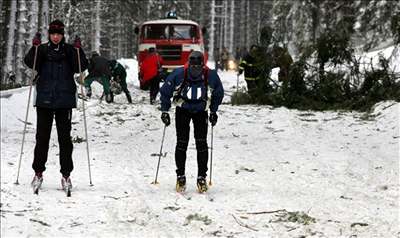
(340, 168)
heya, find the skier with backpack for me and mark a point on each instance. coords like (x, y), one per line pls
(56, 62)
(193, 102)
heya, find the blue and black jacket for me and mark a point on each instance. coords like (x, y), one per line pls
(191, 93)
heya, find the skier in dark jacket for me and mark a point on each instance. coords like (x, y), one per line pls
(99, 71)
(192, 99)
(56, 64)
(118, 74)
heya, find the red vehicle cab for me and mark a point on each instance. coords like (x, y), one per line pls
(172, 38)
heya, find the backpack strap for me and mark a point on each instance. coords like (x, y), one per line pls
(185, 79)
(205, 75)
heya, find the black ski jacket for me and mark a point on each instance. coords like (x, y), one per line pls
(99, 67)
(56, 65)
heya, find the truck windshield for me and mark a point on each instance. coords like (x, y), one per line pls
(163, 31)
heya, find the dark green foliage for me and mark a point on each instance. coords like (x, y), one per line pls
(379, 84)
(320, 89)
(334, 46)
(266, 36)
(324, 90)
(7, 86)
(240, 98)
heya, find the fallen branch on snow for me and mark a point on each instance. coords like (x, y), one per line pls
(242, 224)
(265, 212)
(40, 222)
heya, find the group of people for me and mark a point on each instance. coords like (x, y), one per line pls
(110, 74)
(196, 90)
(258, 63)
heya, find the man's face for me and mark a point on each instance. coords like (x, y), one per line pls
(195, 70)
(56, 38)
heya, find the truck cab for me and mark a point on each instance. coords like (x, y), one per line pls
(172, 38)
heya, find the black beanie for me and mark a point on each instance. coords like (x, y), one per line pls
(56, 26)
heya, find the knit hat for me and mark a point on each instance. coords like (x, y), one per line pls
(56, 26)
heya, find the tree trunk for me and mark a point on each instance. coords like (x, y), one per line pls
(231, 27)
(20, 67)
(226, 20)
(97, 32)
(242, 26)
(9, 66)
(211, 31)
(120, 33)
(67, 22)
(248, 23)
(44, 16)
(33, 14)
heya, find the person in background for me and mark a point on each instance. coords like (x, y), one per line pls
(248, 65)
(238, 55)
(118, 74)
(224, 58)
(99, 71)
(56, 64)
(151, 69)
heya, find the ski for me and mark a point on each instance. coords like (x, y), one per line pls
(208, 196)
(184, 195)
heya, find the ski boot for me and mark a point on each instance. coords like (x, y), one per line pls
(181, 184)
(66, 185)
(37, 182)
(202, 184)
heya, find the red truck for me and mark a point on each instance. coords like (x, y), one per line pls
(172, 38)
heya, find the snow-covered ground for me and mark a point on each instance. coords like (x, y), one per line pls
(276, 173)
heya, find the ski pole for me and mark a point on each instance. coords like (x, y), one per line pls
(84, 115)
(159, 156)
(26, 115)
(211, 153)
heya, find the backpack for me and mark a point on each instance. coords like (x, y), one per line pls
(178, 94)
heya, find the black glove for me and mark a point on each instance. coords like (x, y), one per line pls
(213, 118)
(240, 71)
(165, 118)
(36, 40)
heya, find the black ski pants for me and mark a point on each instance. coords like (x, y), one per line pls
(200, 124)
(154, 87)
(43, 130)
